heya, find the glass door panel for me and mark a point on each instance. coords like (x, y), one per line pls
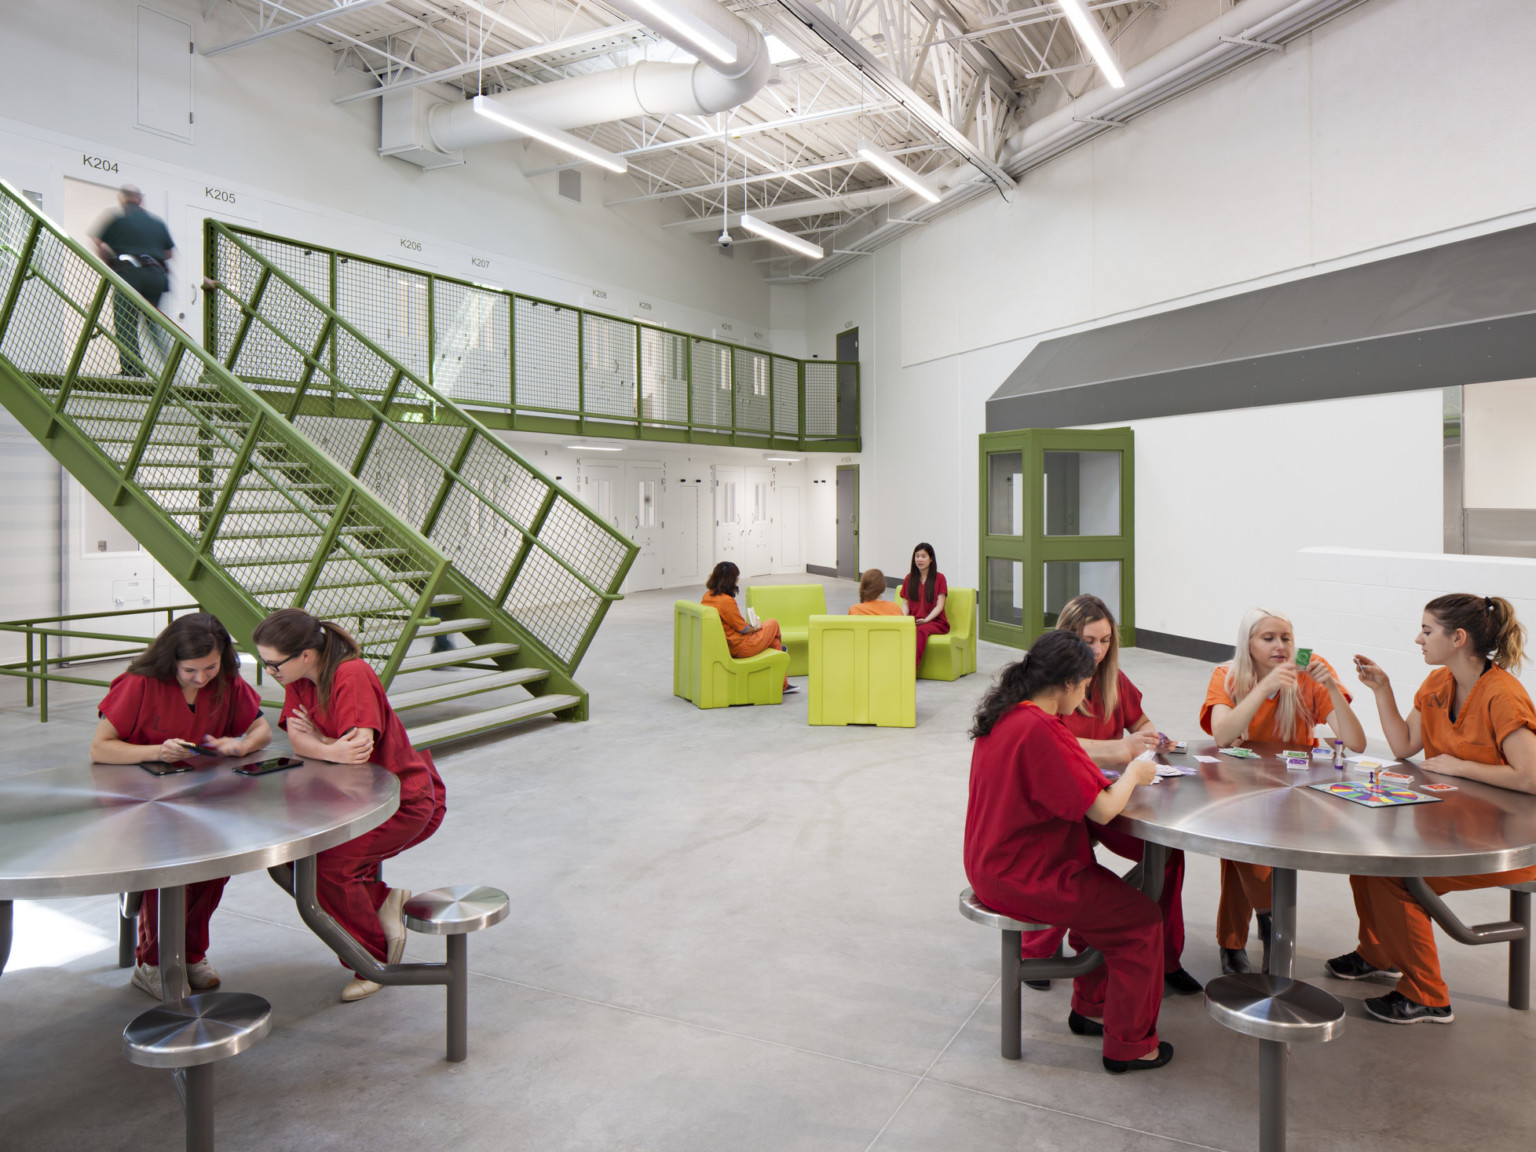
(1081, 493)
(1005, 494)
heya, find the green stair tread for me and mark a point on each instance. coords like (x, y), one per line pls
(477, 722)
(457, 656)
(445, 690)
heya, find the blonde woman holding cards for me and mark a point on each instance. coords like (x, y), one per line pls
(1264, 696)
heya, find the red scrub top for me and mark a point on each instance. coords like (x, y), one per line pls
(1124, 718)
(149, 711)
(1031, 787)
(917, 609)
(358, 701)
(1497, 706)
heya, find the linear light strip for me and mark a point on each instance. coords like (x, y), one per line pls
(787, 239)
(1092, 36)
(554, 137)
(700, 35)
(897, 171)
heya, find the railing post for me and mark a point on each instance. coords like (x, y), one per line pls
(29, 665)
(581, 371)
(512, 356)
(431, 331)
(800, 373)
(42, 711)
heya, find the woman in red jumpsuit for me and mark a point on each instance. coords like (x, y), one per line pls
(1028, 853)
(1111, 709)
(923, 593)
(334, 709)
(185, 689)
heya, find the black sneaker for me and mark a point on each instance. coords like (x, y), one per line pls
(1353, 966)
(1234, 960)
(789, 688)
(1164, 1054)
(1181, 983)
(1395, 1008)
(1038, 985)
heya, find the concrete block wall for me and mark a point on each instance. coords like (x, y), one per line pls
(1354, 600)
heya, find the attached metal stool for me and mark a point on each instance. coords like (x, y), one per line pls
(455, 912)
(1016, 969)
(192, 1035)
(1516, 931)
(128, 905)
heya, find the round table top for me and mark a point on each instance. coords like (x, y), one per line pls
(88, 829)
(1260, 812)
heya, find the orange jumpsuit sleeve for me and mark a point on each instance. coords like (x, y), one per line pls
(1509, 710)
(730, 616)
(1215, 693)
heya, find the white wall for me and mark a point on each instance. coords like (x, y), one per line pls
(1353, 601)
(1334, 153)
(1498, 454)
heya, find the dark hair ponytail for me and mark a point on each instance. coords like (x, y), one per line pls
(1055, 660)
(293, 630)
(1489, 622)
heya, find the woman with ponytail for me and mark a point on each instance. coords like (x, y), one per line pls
(1470, 718)
(334, 709)
(1028, 853)
(1265, 697)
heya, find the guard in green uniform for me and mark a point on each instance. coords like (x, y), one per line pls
(138, 246)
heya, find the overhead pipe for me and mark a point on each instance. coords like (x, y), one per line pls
(646, 89)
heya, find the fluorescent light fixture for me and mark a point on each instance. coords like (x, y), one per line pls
(710, 41)
(788, 239)
(498, 18)
(591, 448)
(554, 137)
(780, 52)
(784, 459)
(1092, 36)
(897, 171)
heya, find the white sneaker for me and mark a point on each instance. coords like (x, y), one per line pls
(392, 917)
(357, 989)
(202, 975)
(146, 978)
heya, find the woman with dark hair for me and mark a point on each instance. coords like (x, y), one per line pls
(184, 689)
(334, 709)
(1112, 708)
(1470, 718)
(923, 593)
(741, 638)
(1029, 855)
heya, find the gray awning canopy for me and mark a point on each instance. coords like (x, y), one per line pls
(1460, 313)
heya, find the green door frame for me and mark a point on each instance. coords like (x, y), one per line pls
(1032, 549)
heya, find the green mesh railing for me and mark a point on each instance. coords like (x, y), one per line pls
(529, 547)
(544, 363)
(236, 502)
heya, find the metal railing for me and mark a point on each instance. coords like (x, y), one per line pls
(547, 366)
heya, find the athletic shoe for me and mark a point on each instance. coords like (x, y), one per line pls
(146, 978)
(202, 976)
(1164, 1054)
(1353, 966)
(1395, 1008)
(358, 989)
(1181, 983)
(788, 687)
(392, 917)
(1038, 985)
(1234, 960)
(1081, 1025)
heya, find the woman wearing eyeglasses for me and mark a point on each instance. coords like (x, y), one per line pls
(334, 709)
(184, 690)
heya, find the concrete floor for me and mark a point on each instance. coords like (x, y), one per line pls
(729, 931)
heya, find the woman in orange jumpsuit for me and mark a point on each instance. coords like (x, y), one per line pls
(185, 689)
(923, 593)
(334, 709)
(1263, 696)
(741, 638)
(872, 600)
(1111, 709)
(1028, 853)
(1470, 718)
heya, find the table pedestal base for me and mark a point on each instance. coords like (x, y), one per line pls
(6, 914)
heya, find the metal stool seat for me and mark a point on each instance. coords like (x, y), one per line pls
(456, 910)
(191, 1035)
(1274, 1008)
(973, 909)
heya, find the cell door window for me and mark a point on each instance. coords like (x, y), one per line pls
(728, 502)
(602, 498)
(645, 504)
(759, 503)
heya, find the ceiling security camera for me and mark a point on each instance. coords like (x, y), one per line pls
(724, 239)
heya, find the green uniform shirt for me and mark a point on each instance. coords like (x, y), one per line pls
(136, 232)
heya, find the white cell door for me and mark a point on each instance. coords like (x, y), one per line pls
(600, 489)
(680, 559)
(791, 553)
(728, 515)
(758, 523)
(644, 483)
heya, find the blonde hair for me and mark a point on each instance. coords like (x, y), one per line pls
(1075, 615)
(1292, 719)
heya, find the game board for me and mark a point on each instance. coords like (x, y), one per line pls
(1381, 796)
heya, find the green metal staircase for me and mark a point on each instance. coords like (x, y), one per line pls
(534, 564)
(242, 507)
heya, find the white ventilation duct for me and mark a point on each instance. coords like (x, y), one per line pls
(428, 131)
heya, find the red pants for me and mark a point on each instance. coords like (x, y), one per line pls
(1102, 911)
(202, 899)
(347, 877)
(1396, 932)
(934, 628)
(1038, 945)
(1244, 888)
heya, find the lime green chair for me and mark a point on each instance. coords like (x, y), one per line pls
(704, 671)
(792, 605)
(863, 670)
(952, 655)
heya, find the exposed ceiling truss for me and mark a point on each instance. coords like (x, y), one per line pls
(941, 84)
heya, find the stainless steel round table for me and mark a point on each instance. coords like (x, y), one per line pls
(1258, 811)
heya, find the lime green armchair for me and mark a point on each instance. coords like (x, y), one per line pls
(792, 605)
(952, 655)
(704, 671)
(863, 670)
